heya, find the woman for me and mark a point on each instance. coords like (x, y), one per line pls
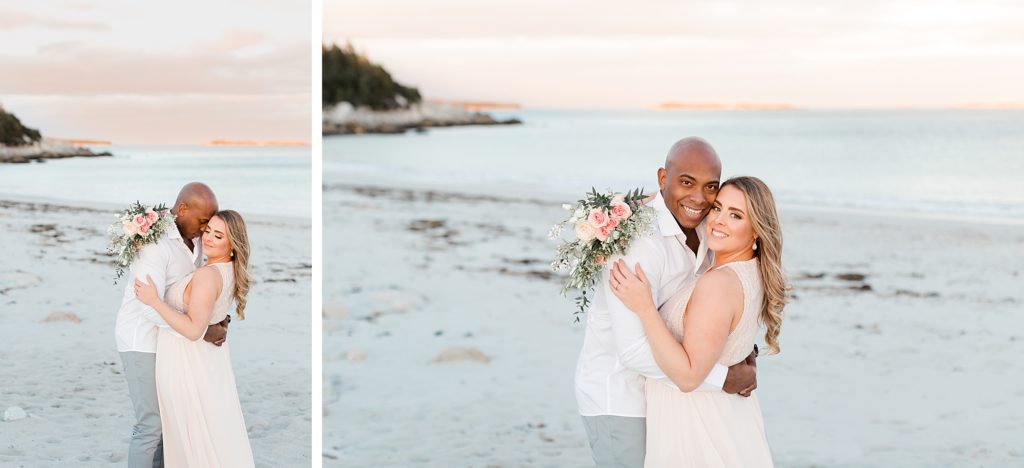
(199, 410)
(716, 323)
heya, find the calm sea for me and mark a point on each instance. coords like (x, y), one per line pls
(259, 180)
(947, 163)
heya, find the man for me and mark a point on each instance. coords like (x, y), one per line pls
(616, 357)
(173, 257)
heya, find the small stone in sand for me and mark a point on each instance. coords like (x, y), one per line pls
(335, 311)
(459, 353)
(14, 413)
(355, 355)
(62, 316)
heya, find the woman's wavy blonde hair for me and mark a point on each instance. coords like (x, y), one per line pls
(238, 236)
(765, 220)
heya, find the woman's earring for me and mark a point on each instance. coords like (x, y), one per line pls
(755, 244)
(233, 254)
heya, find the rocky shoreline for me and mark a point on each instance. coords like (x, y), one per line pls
(345, 119)
(44, 150)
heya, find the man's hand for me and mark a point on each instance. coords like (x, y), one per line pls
(742, 376)
(218, 332)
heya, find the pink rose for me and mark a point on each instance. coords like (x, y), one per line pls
(139, 220)
(597, 218)
(151, 216)
(604, 232)
(144, 230)
(620, 210)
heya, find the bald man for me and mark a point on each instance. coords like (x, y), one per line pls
(176, 255)
(616, 358)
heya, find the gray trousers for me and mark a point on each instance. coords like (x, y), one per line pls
(617, 441)
(146, 448)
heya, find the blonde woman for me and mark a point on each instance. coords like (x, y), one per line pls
(199, 409)
(716, 322)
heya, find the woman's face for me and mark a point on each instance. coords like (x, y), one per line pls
(728, 223)
(215, 239)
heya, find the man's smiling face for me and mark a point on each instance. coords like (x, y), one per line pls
(689, 181)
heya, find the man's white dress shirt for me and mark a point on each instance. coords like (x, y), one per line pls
(167, 261)
(616, 356)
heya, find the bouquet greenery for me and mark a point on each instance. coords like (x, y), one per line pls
(136, 227)
(604, 224)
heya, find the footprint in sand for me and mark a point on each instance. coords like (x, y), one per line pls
(371, 304)
(11, 280)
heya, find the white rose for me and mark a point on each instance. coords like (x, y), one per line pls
(585, 232)
(130, 229)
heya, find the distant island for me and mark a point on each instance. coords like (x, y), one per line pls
(718, 106)
(477, 106)
(256, 143)
(991, 106)
(21, 144)
(361, 97)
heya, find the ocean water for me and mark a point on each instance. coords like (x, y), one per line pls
(260, 180)
(962, 164)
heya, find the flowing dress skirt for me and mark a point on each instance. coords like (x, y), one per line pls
(199, 409)
(704, 429)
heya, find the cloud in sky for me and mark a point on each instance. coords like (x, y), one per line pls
(159, 73)
(14, 19)
(603, 53)
(72, 68)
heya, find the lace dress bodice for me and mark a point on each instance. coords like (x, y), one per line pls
(741, 340)
(175, 295)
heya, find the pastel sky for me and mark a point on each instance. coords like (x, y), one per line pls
(187, 71)
(602, 53)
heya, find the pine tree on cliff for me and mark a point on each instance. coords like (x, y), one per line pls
(13, 133)
(351, 77)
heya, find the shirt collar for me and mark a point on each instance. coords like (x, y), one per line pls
(704, 255)
(670, 228)
(196, 252)
(666, 222)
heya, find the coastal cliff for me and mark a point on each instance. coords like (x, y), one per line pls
(346, 119)
(361, 97)
(21, 144)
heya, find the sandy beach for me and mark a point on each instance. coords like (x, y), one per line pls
(446, 342)
(60, 363)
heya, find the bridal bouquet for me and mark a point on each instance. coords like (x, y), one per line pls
(136, 227)
(604, 225)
